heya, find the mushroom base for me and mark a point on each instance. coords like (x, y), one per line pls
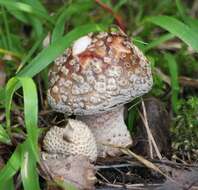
(109, 130)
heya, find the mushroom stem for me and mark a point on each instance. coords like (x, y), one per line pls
(109, 130)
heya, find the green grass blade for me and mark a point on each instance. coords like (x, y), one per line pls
(181, 9)
(158, 41)
(193, 23)
(67, 12)
(178, 28)
(119, 4)
(24, 158)
(4, 137)
(131, 118)
(49, 54)
(7, 29)
(26, 8)
(37, 23)
(3, 40)
(30, 108)
(38, 4)
(172, 65)
(10, 89)
(2, 97)
(30, 111)
(9, 184)
(20, 15)
(11, 167)
(29, 149)
(29, 173)
(30, 53)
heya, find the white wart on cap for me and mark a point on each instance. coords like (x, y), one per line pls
(100, 71)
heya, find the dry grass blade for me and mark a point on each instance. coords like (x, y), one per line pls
(150, 136)
(183, 80)
(145, 162)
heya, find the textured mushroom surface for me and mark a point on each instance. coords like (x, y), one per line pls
(75, 139)
(75, 170)
(100, 71)
(109, 130)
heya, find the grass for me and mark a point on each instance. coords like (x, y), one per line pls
(25, 59)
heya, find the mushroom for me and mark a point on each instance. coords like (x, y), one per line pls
(94, 79)
(74, 139)
(68, 153)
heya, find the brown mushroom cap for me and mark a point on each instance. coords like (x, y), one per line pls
(99, 72)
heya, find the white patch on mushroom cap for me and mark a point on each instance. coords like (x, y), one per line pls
(81, 45)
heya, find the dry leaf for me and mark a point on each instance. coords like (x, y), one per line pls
(76, 170)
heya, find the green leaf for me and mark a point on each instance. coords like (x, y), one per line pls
(178, 28)
(172, 65)
(49, 54)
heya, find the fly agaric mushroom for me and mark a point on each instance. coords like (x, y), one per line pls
(75, 139)
(94, 79)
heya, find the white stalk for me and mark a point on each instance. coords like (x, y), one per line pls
(109, 130)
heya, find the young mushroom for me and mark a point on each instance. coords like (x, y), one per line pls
(68, 153)
(94, 79)
(74, 139)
